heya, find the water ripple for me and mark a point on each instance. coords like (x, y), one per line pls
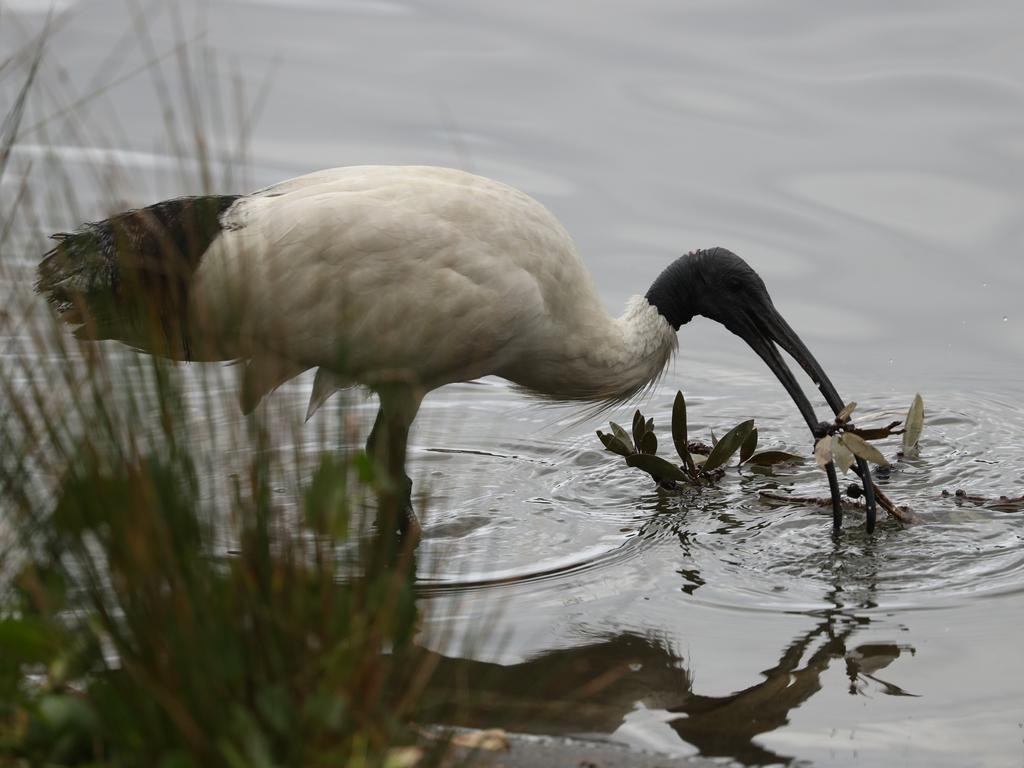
(573, 511)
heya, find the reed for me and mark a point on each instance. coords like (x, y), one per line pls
(180, 585)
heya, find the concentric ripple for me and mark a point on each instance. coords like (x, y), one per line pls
(540, 511)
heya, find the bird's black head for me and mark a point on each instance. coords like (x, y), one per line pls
(717, 284)
(714, 283)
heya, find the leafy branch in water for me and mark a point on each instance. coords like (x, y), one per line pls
(843, 443)
(703, 465)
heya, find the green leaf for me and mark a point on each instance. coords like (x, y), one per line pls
(656, 467)
(714, 440)
(649, 443)
(728, 445)
(623, 435)
(639, 429)
(864, 450)
(913, 424)
(844, 415)
(841, 454)
(679, 437)
(613, 444)
(650, 425)
(749, 446)
(823, 451)
(769, 458)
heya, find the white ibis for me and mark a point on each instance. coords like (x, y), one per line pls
(402, 279)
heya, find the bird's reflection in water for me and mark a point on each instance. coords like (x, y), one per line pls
(727, 726)
(592, 688)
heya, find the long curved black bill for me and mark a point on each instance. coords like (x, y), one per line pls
(786, 337)
(762, 332)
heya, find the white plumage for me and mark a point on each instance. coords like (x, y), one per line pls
(418, 275)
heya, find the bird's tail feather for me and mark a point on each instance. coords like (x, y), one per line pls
(324, 385)
(127, 277)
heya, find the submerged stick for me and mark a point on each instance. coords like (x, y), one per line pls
(901, 513)
(1003, 502)
(816, 501)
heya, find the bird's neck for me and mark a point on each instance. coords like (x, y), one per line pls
(643, 343)
(672, 292)
(602, 359)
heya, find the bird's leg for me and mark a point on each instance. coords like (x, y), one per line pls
(391, 555)
(387, 446)
(398, 529)
(371, 441)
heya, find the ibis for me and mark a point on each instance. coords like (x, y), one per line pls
(401, 279)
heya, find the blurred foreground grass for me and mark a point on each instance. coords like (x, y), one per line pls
(156, 607)
(126, 639)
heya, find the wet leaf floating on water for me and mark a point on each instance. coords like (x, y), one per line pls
(622, 435)
(864, 449)
(728, 445)
(877, 433)
(679, 431)
(749, 446)
(657, 467)
(914, 424)
(841, 454)
(613, 444)
(844, 415)
(770, 458)
(823, 451)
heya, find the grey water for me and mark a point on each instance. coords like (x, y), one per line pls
(866, 159)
